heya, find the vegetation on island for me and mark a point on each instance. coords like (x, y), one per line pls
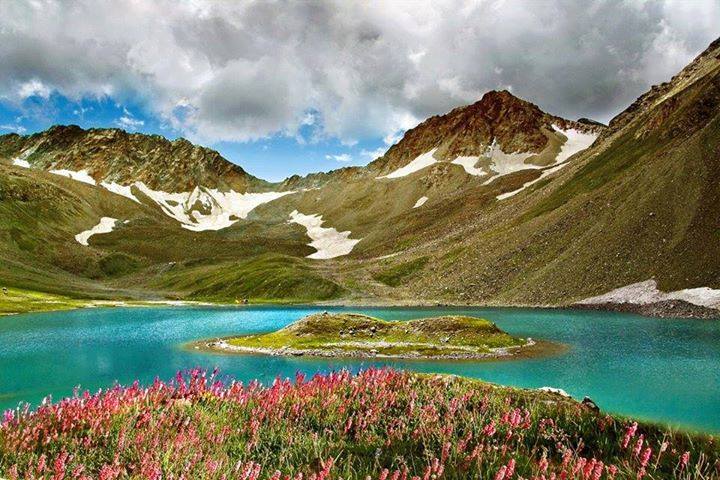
(378, 424)
(351, 334)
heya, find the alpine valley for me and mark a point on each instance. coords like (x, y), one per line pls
(494, 203)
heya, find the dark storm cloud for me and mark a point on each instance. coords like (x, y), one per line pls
(241, 71)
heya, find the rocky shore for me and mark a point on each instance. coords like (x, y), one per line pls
(531, 349)
(662, 309)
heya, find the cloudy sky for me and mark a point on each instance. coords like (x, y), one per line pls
(293, 87)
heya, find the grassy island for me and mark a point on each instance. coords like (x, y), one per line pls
(355, 335)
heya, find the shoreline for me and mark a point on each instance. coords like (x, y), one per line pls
(532, 349)
(676, 309)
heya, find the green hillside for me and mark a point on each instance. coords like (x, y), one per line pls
(640, 203)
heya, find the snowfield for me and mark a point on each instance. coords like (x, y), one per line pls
(506, 163)
(422, 161)
(80, 176)
(643, 293)
(199, 210)
(576, 142)
(468, 163)
(208, 209)
(19, 162)
(106, 225)
(328, 242)
(421, 201)
(125, 191)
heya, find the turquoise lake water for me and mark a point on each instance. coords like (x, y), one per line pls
(660, 370)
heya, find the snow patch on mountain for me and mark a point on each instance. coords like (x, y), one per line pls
(643, 293)
(468, 163)
(577, 141)
(80, 175)
(208, 209)
(328, 242)
(199, 210)
(106, 225)
(422, 161)
(421, 201)
(506, 163)
(125, 191)
(19, 162)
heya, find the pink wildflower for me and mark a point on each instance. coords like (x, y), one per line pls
(684, 459)
(645, 458)
(629, 434)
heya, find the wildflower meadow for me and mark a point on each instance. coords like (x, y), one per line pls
(379, 424)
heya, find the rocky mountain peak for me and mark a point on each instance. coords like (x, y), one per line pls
(497, 104)
(114, 155)
(498, 119)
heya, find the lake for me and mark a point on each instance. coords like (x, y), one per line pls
(655, 369)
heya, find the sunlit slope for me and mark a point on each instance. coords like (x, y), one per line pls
(40, 214)
(497, 202)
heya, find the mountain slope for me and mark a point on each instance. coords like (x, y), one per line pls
(194, 185)
(641, 203)
(494, 203)
(115, 156)
(455, 165)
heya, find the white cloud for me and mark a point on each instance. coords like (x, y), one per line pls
(129, 123)
(33, 88)
(416, 57)
(250, 70)
(373, 154)
(13, 128)
(341, 157)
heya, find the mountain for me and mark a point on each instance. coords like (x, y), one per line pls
(114, 156)
(194, 185)
(641, 203)
(498, 126)
(497, 202)
(441, 174)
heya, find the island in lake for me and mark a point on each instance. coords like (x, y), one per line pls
(354, 335)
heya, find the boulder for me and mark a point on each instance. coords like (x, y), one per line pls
(588, 402)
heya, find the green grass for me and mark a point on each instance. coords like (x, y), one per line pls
(266, 278)
(24, 301)
(353, 333)
(397, 274)
(118, 264)
(353, 427)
